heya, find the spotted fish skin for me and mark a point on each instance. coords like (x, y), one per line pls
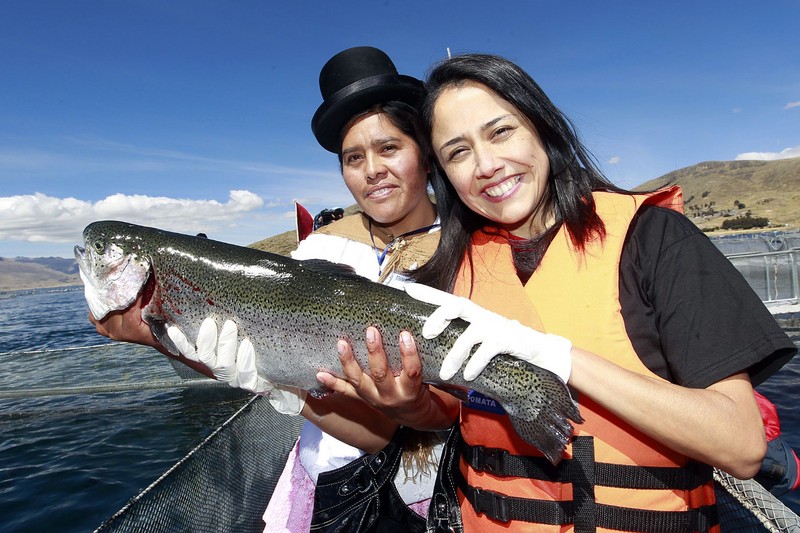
(294, 312)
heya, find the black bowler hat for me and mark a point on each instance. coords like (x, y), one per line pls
(352, 81)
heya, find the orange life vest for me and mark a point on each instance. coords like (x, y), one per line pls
(612, 476)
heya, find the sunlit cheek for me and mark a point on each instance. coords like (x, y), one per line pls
(406, 176)
(471, 197)
(409, 176)
(351, 182)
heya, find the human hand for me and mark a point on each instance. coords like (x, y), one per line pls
(403, 397)
(496, 334)
(126, 325)
(235, 363)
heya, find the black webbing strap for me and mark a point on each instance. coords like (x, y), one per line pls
(583, 511)
(504, 508)
(646, 521)
(502, 463)
(583, 484)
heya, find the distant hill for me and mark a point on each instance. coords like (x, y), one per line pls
(716, 191)
(284, 243)
(37, 273)
(713, 191)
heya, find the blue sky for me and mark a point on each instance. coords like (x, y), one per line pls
(194, 116)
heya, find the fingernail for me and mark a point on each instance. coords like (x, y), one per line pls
(325, 379)
(341, 347)
(371, 335)
(405, 339)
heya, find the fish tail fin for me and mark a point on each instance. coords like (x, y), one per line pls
(539, 405)
(550, 432)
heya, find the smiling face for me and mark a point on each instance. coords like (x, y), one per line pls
(493, 156)
(383, 168)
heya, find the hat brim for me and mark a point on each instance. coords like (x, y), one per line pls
(340, 107)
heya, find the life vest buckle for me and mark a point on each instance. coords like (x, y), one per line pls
(492, 504)
(487, 459)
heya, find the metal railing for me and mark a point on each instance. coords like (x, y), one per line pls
(773, 275)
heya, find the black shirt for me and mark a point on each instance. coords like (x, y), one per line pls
(691, 316)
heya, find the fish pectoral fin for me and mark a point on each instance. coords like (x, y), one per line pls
(159, 329)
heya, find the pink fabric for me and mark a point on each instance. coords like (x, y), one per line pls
(769, 415)
(421, 508)
(292, 503)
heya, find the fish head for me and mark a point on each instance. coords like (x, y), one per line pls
(113, 267)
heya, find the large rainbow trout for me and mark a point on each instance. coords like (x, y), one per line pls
(294, 312)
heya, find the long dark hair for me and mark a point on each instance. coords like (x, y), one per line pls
(573, 172)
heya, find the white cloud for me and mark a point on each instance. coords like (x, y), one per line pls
(41, 218)
(615, 160)
(787, 153)
(791, 105)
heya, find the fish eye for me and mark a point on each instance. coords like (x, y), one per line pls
(99, 247)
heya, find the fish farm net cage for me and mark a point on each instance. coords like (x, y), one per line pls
(225, 483)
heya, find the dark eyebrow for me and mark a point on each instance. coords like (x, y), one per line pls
(485, 127)
(495, 121)
(454, 140)
(376, 142)
(386, 140)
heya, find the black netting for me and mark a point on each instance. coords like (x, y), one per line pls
(222, 485)
(225, 484)
(744, 505)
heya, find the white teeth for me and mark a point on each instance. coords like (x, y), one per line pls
(380, 192)
(502, 188)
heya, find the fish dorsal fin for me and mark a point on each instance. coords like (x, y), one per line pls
(329, 268)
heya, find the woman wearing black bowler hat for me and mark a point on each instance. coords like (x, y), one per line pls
(368, 118)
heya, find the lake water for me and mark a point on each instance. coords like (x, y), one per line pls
(69, 461)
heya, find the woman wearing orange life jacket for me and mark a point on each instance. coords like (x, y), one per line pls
(655, 332)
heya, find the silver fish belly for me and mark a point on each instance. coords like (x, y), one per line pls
(294, 312)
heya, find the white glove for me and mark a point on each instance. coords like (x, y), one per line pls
(495, 333)
(235, 365)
